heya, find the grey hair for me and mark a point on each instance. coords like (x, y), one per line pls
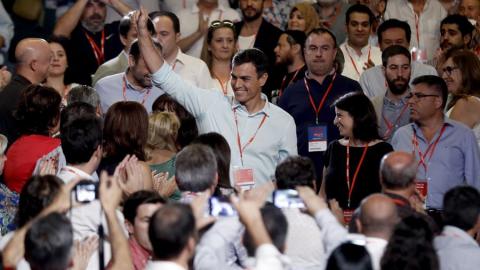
(84, 93)
(196, 168)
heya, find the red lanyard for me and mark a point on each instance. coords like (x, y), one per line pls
(240, 147)
(98, 52)
(430, 147)
(223, 85)
(351, 185)
(282, 86)
(124, 91)
(417, 22)
(353, 62)
(312, 102)
(390, 125)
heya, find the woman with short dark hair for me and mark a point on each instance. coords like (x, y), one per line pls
(352, 163)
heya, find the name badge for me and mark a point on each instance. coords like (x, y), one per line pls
(422, 187)
(243, 178)
(317, 138)
(419, 54)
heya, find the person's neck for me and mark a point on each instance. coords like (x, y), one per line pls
(160, 156)
(319, 77)
(380, 235)
(221, 69)
(418, 5)
(87, 167)
(133, 81)
(206, 8)
(396, 98)
(30, 76)
(172, 56)
(405, 193)
(252, 27)
(254, 105)
(57, 83)
(297, 64)
(356, 142)
(430, 126)
(357, 47)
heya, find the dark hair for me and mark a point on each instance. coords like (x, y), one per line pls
(394, 23)
(49, 243)
(195, 168)
(68, 77)
(38, 109)
(350, 256)
(395, 50)
(188, 126)
(170, 15)
(254, 56)
(410, 246)
(170, 229)
(436, 83)
(206, 54)
(465, 27)
(221, 149)
(296, 37)
(80, 139)
(276, 225)
(138, 198)
(125, 130)
(75, 111)
(360, 108)
(359, 8)
(83, 93)
(125, 25)
(295, 171)
(38, 193)
(461, 207)
(321, 30)
(135, 49)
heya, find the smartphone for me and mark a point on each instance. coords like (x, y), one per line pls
(86, 191)
(287, 198)
(221, 207)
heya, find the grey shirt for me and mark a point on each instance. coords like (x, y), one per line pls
(457, 250)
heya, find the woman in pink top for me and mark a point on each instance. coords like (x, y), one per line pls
(38, 114)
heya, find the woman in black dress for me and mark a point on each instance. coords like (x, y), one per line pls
(352, 163)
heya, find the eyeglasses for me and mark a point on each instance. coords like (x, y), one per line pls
(448, 70)
(224, 23)
(419, 95)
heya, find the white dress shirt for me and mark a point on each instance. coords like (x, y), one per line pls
(428, 23)
(189, 23)
(275, 140)
(457, 250)
(215, 84)
(354, 63)
(163, 265)
(69, 173)
(192, 69)
(375, 247)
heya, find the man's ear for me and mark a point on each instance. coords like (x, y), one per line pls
(124, 41)
(466, 39)
(131, 61)
(129, 227)
(359, 225)
(263, 79)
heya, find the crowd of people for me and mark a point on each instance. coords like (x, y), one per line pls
(249, 134)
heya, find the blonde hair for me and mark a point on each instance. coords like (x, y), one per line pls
(162, 132)
(3, 144)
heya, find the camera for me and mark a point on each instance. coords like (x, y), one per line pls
(221, 207)
(287, 198)
(86, 191)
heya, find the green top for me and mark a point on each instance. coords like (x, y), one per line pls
(168, 166)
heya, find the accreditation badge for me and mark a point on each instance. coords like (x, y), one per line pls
(243, 177)
(317, 138)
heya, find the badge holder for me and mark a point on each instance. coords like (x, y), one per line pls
(317, 138)
(243, 177)
(422, 188)
(419, 54)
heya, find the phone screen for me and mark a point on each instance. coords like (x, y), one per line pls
(287, 198)
(220, 207)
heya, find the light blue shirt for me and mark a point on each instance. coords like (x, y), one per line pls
(456, 160)
(214, 112)
(457, 250)
(110, 90)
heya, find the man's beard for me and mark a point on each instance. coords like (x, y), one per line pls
(94, 27)
(253, 17)
(395, 89)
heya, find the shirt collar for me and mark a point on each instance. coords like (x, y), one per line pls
(130, 86)
(403, 100)
(266, 109)
(456, 232)
(181, 57)
(364, 50)
(72, 170)
(164, 265)
(219, 7)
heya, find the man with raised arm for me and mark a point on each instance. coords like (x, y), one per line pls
(259, 133)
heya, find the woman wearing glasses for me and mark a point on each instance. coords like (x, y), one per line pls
(351, 163)
(461, 72)
(218, 50)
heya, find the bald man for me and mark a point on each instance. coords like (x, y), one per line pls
(33, 57)
(378, 217)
